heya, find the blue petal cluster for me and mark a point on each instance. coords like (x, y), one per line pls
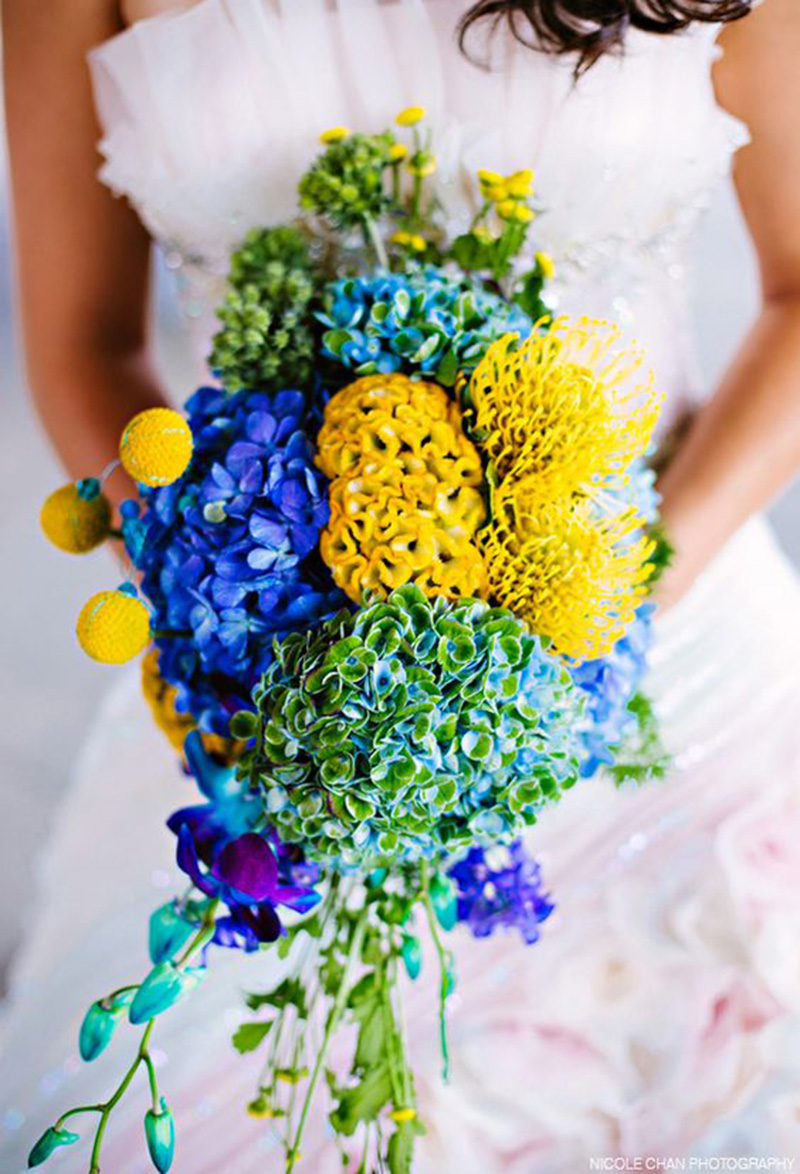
(230, 551)
(511, 896)
(609, 685)
(425, 321)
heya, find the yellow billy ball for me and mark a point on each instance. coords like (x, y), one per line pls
(156, 447)
(76, 518)
(113, 627)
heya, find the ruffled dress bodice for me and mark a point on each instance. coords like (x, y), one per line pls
(211, 113)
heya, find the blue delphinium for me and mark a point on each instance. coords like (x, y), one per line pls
(230, 551)
(425, 321)
(610, 685)
(510, 894)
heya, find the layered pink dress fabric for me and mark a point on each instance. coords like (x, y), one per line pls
(660, 1014)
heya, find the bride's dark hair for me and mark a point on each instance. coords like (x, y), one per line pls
(589, 28)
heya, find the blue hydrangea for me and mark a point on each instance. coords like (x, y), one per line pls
(610, 685)
(229, 553)
(501, 889)
(425, 322)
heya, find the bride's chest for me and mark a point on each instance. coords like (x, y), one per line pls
(212, 110)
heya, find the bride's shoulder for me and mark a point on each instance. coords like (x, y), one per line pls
(758, 67)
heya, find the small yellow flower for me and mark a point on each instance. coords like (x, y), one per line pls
(422, 165)
(291, 1075)
(497, 193)
(546, 265)
(418, 243)
(523, 214)
(489, 178)
(401, 238)
(335, 134)
(397, 152)
(506, 209)
(403, 1115)
(156, 447)
(483, 233)
(113, 627)
(411, 116)
(520, 184)
(76, 518)
(262, 1111)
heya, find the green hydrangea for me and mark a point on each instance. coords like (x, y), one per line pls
(267, 335)
(411, 727)
(346, 185)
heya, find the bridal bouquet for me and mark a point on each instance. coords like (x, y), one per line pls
(389, 573)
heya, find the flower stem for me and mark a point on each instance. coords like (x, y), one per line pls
(116, 1097)
(333, 1021)
(444, 967)
(373, 237)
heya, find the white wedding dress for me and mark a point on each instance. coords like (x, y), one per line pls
(660, 1014)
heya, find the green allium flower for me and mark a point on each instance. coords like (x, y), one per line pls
(346, 182)
(267, 340)
(412, 727)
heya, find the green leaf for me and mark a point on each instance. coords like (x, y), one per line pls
(400, 1153)
(243, 725)
(289, 993)
(364, 1102)
(371, 1043)
(248, 1036)
(447, 371)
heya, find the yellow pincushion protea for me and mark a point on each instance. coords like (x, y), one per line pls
(161, 696)
(405, 495)
(571, 572)
(156, 447)
(113, 627)
(569, 407)
(77, 518)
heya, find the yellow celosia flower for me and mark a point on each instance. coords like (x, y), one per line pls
(571, 572)
(156, 447)
(397, 152)
(411, 116)
(113, 627)
(569, 407)
(334, 134)
(405, 495)
(161, 697)
(76, 521)
(546, 265)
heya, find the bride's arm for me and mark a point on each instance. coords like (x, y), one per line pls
(744, 446)
(83, 258)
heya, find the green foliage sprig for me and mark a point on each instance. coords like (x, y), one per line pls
(267, 335)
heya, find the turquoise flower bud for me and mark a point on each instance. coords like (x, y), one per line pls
(48, 1143)
(159, 1130)
(444, 901)
(412, 956)
(164, 985)
(168, 933)
(99, 1024)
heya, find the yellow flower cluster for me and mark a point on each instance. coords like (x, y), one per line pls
(405, 494)
(561, 417)
(509, 193)
(571, 572)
